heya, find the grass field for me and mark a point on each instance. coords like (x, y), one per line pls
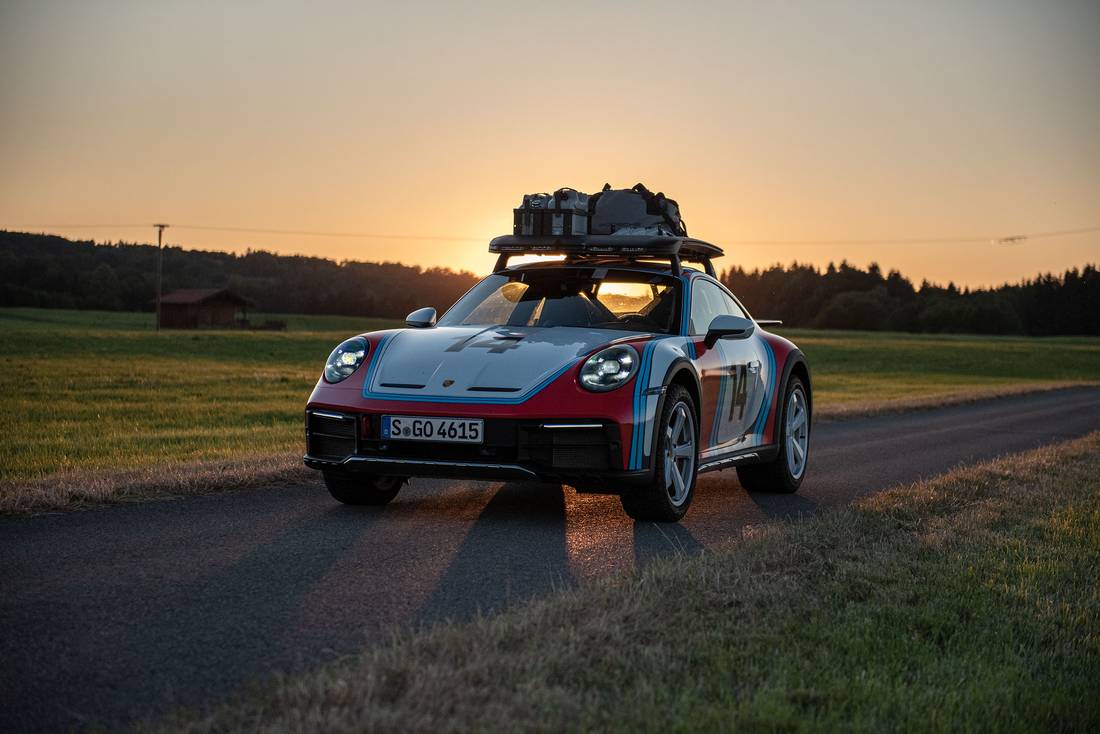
(852, 367)
(966, 603)
(89, 391)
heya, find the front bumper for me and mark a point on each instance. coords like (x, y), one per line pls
(587, 454)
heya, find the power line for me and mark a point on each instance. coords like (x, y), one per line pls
(259, 230)
(78, 226)
(345, 235)
(891, 241)
(1010, 239)
(1001, 240)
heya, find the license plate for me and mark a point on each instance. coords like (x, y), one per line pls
(419, 428)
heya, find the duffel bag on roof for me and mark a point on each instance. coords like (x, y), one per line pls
(634, 211)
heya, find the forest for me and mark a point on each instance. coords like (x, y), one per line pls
(53, 272)
(846, 297)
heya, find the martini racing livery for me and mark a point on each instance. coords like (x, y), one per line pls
(618, 369)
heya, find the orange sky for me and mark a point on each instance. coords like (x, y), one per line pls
(769, 122)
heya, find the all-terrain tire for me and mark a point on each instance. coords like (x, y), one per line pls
(361, 489)
(657, 501)
(778, 475)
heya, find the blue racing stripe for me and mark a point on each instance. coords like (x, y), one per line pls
(641, 385)
(716, 427)
(769, 392)
(634, 409)
(375, 357)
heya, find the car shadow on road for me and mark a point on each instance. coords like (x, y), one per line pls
(514, 550)
(231, 623)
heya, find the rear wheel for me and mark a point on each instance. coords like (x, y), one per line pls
(361, 489)
(667, 496)
(784, 473)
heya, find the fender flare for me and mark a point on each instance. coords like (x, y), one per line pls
(678, 365)
(794, 358)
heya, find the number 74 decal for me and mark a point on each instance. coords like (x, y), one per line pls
(738, 374)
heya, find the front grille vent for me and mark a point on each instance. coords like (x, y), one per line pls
(592, 456)
(332, 424)
(330, 435)
(567, 449)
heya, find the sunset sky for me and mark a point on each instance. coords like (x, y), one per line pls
(772, 123)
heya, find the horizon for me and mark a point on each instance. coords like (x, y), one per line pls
(916, 282)
(808, 133)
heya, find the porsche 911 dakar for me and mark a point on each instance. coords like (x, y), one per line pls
(622, 366)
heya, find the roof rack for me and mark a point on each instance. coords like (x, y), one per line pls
(631, 247)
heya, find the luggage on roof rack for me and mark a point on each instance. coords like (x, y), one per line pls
(563, 213)
(626, 223)
(635, 211)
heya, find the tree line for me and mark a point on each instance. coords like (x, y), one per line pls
(847, 297)
(54, 272)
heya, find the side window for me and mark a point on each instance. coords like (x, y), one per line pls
(730, 305)
(708, 301)
(705, 305)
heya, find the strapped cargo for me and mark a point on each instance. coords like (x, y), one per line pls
(563, 213)
(635, 211)
(630, 223)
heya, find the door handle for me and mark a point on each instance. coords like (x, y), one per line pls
(754, 366)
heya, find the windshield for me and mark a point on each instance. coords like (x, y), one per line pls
(595, 298)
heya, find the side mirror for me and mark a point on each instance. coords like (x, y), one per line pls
(728, 327)
(421, 318)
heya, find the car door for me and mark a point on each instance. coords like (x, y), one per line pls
(730, 372)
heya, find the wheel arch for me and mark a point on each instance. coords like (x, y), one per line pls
(680, 372)
(796, 365)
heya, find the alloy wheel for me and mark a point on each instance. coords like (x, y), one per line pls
(798, 432)
(679, 453)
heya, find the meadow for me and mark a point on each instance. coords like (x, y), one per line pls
(99, 390)
(86, 391)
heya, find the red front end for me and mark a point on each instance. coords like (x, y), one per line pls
(561, 433)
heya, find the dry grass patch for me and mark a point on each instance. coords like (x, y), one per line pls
(82, 490)
(966, 603)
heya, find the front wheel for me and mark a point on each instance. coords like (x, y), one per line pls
(667, 496)
(361, 489)
(784, 473)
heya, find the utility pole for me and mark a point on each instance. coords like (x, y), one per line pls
(160, 265)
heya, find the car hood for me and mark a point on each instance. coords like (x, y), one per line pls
(474, 363)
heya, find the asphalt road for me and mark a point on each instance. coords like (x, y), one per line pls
(121, 613)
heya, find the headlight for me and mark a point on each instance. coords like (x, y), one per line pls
(345, 359)
(610, 368)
